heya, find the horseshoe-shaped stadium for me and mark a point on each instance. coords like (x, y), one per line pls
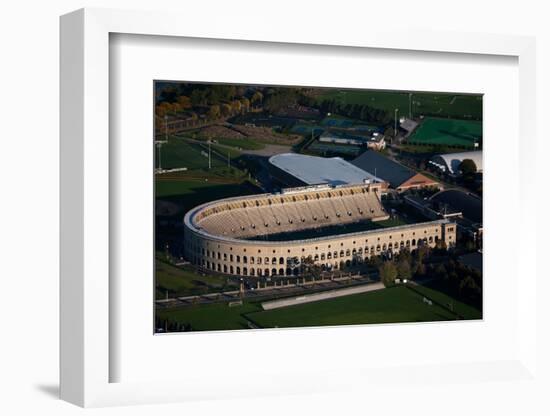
(272, 234)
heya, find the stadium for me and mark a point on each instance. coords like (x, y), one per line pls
(264, 235)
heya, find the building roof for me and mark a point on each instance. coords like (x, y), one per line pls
(470, 205)
(314, 170)
(408, 125)
(388, 170)
(452, 160)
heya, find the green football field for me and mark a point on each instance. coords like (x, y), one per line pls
(447, 132)
(180, 153)
(396, 304)
(422, 103)
(392, 305)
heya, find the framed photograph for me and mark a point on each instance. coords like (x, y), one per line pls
(306, 206)
(322, 213)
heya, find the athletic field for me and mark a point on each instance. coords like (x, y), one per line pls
(447, 132)
(392, 305)
(428, 104)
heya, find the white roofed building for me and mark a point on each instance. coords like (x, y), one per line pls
(298, 170)
(450, 162)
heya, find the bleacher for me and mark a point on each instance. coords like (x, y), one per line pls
(270, 214)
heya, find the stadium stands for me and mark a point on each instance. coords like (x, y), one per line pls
(271, 214)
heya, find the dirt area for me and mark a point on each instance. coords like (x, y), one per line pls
(261, 134)
(266, 134)
(217, 131)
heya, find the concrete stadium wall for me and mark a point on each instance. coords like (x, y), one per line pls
(248, 258)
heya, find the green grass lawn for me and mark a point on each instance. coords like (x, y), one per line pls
(396, 304)
(330, 230)
(467, 311)
(391, 305)
(447, 132)
(211, 317)
(187, 192)
(180, 153)
(248, 144)
(221, 152)
(443, 105)
(391, 222)
(184, 281)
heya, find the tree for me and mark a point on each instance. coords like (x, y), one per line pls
(214, 111)
(404, 269)
(198, 97)
(421, 252)
(310, 268)
(245, 103)
(441, 271)
(226, 110)
(184, 102)
(236, 105)
(256, 99)
(388, 273)
(468, 169)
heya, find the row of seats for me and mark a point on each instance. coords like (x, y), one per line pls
(293, 216)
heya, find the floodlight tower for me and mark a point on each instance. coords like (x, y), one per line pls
(395, 124)
(159, 145)
(166, 127)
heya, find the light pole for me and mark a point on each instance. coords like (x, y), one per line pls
(209, 156)
(395, 124)
(159, 145)
(166, 127)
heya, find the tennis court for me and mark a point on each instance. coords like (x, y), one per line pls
(447, 132)
(329, 148)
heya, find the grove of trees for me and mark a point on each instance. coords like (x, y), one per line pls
(356, 111)
(451, 276)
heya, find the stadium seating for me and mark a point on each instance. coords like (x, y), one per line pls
(270, 214)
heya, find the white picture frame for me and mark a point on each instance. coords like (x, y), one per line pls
(85, 211)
